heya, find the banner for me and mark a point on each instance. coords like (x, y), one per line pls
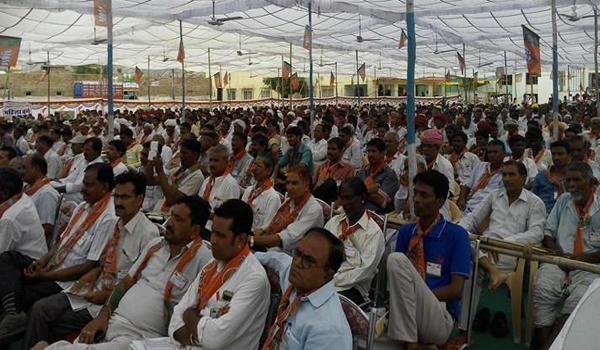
(285, 71)
(362, 71)
(306, 39)
(9, 50)
(518, 78)
(532, 50)
(217, 77)
(331, 79)
(403, 39)
(295, 82)
(12, 109)
(138, 75)
(181, 53)
(101, 8)
(461, 62)
(500, 76)
(226, 79)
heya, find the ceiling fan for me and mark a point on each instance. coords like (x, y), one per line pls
(96, 40)
(250, 60)
(437, 52)
(214, 21)
(240, 52)
(359, 38)
(165, 58)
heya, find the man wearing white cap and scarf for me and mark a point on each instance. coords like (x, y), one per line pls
(172, 131)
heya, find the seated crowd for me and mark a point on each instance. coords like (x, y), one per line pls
(250, 228)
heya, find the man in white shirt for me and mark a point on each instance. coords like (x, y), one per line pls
(22, 143)
(226, 309)
(352, 152)
(142, 303)
(72, 184)
(363, 241)
(220, 185)
(240, 158)
(115, 152)
(393, 157)
(56, 135)
(318, 146)
(310, 306)
(463, 161)
(431, 142)
(262, 197)
(77, 251)
(44, 196)
(73, 159)
(515, 215)
(517, 146)
(20, 227)
(53, 317)
(43, 145)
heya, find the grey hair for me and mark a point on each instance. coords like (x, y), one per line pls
(396, 136)
(219, 148)
(585, 170)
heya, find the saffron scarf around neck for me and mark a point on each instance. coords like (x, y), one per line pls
(285, 215)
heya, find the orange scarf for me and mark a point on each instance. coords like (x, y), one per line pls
(176, 179)
(556, 182)
(325, 171)
(370, 180)
(258, 190)
(456, 157)
(9, 203)
(71, 239)
(211, 281)
(284, 215)
(389, 159)
(116, 162)
(66, 169)
(284, 311)
(109, 261)
(483, 181)
(211, 183)
(584, 221)
(349, 231)
(62, 149)
(416, 252)
(133, 144)
(402, 144)
(238, 156)
(540, 154)
(187, 256)
(30, 191)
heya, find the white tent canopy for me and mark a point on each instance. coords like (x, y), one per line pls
(145, 28)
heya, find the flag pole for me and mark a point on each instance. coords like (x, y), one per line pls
(182, 74)
(281, 79)
(336, 85)
(410, 100)
(172, 84)
(210, 77)
(465, 78)
(555, 71)
(505, 74)
(569, 81)
(311, 90)
(597, 85)
(220, 86)
(48, 76)
(357, 81)
(446, 84)
(278, 77)
(109, 71)
(149, 82)
(290, 80)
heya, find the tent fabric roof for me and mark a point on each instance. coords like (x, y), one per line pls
(145, 28)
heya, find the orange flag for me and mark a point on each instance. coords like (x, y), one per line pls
(138, 75)
(181, 53)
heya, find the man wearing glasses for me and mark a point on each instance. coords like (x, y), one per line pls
(310, 314)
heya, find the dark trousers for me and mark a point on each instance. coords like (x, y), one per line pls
(327, 191)
(354, 295)
(51, 318)
(27, 292)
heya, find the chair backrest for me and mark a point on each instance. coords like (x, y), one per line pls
(455, 211)
(378, 219)
(326, 209)
(275, 298)
(356, 317)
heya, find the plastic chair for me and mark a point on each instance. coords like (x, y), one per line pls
(515, 285)
(533, 267)
(456, 214)
(326, 210)
(275, 298)
(357, 319)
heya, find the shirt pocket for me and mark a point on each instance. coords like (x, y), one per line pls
(290, 341)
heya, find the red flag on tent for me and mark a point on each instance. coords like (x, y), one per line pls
(181, 53)
(461, 62)
(500, 74)
(218, 83)
(475, 76)
(285, 71)
(403, 39)
(331, 79)
(306, 40)
(44, 75)
(226, 79)
(532, 49)
(101, 8)
(362, 71)
(295, 82)
(138, 75)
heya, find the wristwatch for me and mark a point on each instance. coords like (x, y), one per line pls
(251, 241)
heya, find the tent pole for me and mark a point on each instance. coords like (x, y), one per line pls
(410, 105)
(465, 77)
(311, 90)
(281, 77)
(149, 82)
(357, 81)
(48, 76)
(336, 85)
(506, 74)
(210, 77)
(554, 71)
(109, 71)
(182, 75)
(597, 82)
(290, 80)
(173, 85)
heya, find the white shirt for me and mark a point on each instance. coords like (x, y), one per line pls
(189, 185)
(364, 249)
(224, 188)
(545, 161)
(74, 181)
(23, 145)
(142, 306)
(400, 203)
(91, 244)
(464, 166)
(494, 182)
(310, 215)
(135, 236)
(397, 164)
(54, 164)
(241, 327)
(46, 200)
(318, 149)
(264, 206)
(353, 154)
(522, 221)
(532, 168)
(240, 167)
(119, 169)
(21, 230)
(444, 166)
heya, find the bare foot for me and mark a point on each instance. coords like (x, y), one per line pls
(40, 346)
(497, 278)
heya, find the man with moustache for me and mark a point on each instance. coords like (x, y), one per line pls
(262, 197)
(141, 304)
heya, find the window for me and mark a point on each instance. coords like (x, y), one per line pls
(507, 80)
(27, 93)
(231, 94)
(402, 90)
(327, 92)
(350, 90)
(59, 93)
(265, 93)
(531, 79)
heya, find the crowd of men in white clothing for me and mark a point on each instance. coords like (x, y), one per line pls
(251, 228)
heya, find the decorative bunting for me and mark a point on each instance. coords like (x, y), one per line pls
(403, 39)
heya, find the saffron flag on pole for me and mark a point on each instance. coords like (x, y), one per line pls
(181, 53)
(295, 82)
(9, 50)
(532, 49)
(306, 40)
(403, 39)
(226, 79)
(101, 8)
(138, 75)
(362, 71)
(500, 76)
(44, 75)
(461, 62)
(331, 79)
(285, 71)
(217, 77)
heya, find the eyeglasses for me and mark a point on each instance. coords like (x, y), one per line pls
(306, 261)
